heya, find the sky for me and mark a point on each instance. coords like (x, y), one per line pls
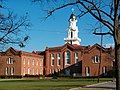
(52, 31)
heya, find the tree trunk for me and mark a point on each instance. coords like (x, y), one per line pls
(117, 60)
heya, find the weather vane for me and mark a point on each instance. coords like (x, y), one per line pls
(72, 10)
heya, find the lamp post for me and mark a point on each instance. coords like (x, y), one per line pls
(101, 40)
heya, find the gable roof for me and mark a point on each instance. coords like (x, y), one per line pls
(12, 51)
(67, 45)
(98, 47)
(77, 47)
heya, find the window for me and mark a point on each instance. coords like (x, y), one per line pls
(24, 60)
(53, 71)
(10, 61)
(12, 71)
(28, 61)
(50, 71)
(96, 59)
(87, 71)
(41, 71)
(6, 71)
(76, 59)
(52, 59)
(105, 71)
(28, 70)
(37, 63)
(58, 59)
(52, 63)
(33, 71)
(24, 70)
(32, 62)
(40, 62)
(37, 72)
(67, 58)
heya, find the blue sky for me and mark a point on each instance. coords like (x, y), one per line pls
(52, 31)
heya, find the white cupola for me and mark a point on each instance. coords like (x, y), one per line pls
(72, 31)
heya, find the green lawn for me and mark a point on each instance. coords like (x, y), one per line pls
(47, 84)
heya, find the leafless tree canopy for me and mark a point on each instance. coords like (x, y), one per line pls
(101, 10)
(12, 27)
(107, 12)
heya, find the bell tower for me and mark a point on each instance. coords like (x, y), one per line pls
(72, 31)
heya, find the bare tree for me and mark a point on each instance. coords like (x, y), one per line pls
(12, 27)
(105, 11)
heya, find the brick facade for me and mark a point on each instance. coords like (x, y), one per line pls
(67, 59)
(78, 60)
(14, 62)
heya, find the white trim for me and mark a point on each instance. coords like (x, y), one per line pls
(52, 59)
(58, 59)
(12, 70)
(67, 58)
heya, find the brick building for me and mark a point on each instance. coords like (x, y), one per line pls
(72, 59)
(15, 62)
(69, 59)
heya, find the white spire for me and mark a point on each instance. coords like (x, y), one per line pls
(72, 31)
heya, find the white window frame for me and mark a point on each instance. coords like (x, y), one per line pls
(28, 61)
(105, 70)
(41, 71)
(41, 63)
(50, 71)
(28, 70)
(33, 71)
(36, 71)
(87, 71)
(76, 58)
(24, 61)
(24, 71)
(36, 62)
(58, 59)
(67, 58)
(52, 59)
(6, 71)
(10, 61)
(97, 57)
(33, 62)
(94, 59)
(12, 70)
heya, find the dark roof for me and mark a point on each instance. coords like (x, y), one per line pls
(71, 16)
(19, 52)
(77, 47)
(73, 46)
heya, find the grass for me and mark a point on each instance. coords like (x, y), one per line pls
(47, 84)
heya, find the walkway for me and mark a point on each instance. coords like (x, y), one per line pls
(101, 86)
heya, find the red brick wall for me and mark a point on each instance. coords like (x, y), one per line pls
(16, 65)
(87, 62)
(62, 60)
(19, 67)
(84, 59)
(35, 69)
